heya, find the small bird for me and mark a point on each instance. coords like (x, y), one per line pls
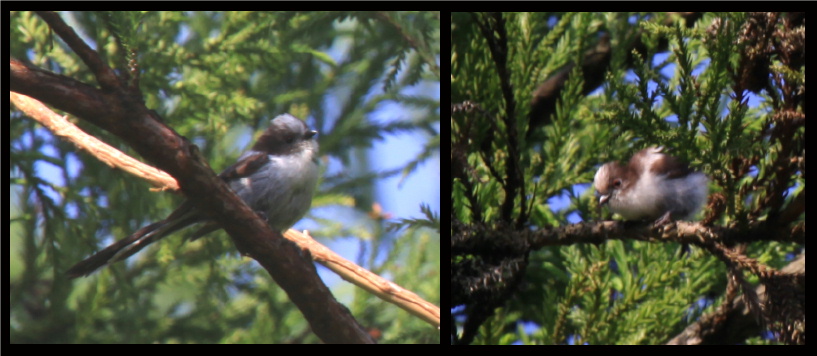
(276, 177)
(652, 186)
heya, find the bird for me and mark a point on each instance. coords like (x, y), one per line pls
(276, 177)
(651, 186)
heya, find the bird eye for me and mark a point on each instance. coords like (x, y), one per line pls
(617, 183)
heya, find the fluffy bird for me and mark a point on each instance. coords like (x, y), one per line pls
(276, 177)
(651, 186)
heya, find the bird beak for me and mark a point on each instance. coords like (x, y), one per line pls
(603, 199)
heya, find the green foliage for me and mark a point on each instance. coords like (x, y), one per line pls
(216, 77)
(677, 90)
